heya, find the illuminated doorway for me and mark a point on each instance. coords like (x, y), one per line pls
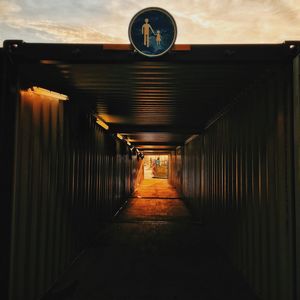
(156, 166)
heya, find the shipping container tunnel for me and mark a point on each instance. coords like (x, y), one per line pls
(227, 116)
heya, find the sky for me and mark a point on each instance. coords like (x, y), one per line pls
(106, 21)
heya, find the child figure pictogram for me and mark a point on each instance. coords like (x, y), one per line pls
(158, 38)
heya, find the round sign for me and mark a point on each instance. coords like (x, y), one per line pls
(152, 32)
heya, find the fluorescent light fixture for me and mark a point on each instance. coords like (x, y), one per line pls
(119, 136)
(102, 124)
(44, 92)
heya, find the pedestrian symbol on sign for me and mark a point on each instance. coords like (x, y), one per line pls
(152, 32)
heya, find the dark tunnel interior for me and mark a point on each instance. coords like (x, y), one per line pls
(216, 217)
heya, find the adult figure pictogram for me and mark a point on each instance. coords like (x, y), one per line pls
(146, 32)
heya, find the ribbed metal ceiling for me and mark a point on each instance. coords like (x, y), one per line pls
(179, 98)
(155, 104)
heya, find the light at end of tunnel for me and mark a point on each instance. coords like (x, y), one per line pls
(49, 62)
(119, 136)
(102, 124)
(44, 92)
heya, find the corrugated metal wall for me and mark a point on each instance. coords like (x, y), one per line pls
(71, 175)
(175, 169)
(238, 176)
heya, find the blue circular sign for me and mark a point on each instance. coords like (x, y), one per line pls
(152, 32)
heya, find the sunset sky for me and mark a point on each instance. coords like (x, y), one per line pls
(106, 21)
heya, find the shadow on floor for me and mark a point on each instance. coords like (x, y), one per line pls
(153, 251)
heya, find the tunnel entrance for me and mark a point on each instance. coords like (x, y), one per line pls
(84, 126)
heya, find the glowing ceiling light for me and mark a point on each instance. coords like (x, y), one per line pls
(44, 92)
(119, 136)
(128, 143)
(102, 124)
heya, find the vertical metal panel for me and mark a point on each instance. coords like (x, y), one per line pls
(175, 168)
(71, 175)
(237, 176)
(296, 81)
(8, 110)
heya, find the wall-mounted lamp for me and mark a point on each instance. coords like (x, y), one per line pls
(44, 92)
(102, 124)
(119, 136)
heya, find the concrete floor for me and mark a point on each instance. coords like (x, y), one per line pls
(152, 250)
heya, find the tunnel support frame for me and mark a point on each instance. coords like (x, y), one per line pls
(9, 94)
(296, 87)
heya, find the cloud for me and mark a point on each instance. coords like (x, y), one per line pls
(237, 21)
(8, 8)
(48, 31)
(199, 21)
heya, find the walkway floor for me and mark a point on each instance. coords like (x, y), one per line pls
(155, 200)
(153, 251)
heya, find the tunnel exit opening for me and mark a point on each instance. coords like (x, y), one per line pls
(156, 166)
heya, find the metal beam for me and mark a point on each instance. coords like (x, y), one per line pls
(152, 152)
(96, 53)
(129, 128)
(155, 149)
(166, 144)
(296, 109)
(9, 96)
(128, 47)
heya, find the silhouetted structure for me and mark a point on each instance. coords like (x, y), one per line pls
(227, 116)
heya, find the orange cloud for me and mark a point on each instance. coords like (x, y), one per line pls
(199, 21)
(7, 8)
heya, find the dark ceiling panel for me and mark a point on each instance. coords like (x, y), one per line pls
(160, 93)
(155, 104)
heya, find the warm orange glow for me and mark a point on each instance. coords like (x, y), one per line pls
(155, 199)
(113, 118)
(49, 62)
(102, 124)
(44, 92)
